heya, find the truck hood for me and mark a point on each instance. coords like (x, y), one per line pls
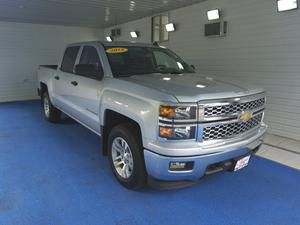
(193, 87)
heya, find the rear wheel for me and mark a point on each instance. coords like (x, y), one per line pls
(126, 156)
(51, 113)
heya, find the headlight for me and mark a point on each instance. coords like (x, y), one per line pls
(177, 133)
(177, 122)
(178, 112)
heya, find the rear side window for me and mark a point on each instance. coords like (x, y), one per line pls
(69, 59)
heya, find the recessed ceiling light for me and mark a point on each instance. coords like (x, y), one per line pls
(109, 38)
(213, 14)
(170, 27)
(131, 5)
(286, 5)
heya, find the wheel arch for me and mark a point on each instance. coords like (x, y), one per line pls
(130, 108)
(111, 118)
(43, 88)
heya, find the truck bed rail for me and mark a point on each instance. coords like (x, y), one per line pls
(54, 67)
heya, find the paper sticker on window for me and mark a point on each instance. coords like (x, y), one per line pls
(116, 50)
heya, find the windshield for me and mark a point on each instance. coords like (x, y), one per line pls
(128, 61)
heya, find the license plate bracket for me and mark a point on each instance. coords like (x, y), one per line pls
(241, 162)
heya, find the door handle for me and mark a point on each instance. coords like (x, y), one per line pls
(74, 83)
(56, 77)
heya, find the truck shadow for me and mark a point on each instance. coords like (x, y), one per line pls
(67, 120)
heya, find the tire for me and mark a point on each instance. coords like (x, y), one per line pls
(131, 161)
(51, 113)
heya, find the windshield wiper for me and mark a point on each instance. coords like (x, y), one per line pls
(137, 74)
(170, 71)
(175, 72)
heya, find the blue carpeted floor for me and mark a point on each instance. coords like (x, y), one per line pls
(55, 174)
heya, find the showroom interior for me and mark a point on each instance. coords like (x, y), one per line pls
(55, 173)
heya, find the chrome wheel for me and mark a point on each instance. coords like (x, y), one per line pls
(122, 157)
(46, 106)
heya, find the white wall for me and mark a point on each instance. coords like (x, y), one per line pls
(25, 46)
(142, 26)
(262, 47)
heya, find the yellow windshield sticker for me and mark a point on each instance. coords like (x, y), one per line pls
(116, 50)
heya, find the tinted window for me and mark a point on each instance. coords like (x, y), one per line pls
(90, 56)
(128, 61)
(164, 60)
(89, 63)
(69, 59)
(137, 60)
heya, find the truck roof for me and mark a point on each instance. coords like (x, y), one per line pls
(114, 43)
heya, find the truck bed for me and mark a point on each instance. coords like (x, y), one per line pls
(54, 67)
(45, 73)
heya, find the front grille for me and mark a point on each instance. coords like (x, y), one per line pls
(222, 110)
(222, 131)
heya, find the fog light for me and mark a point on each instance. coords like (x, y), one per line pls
(181, 166)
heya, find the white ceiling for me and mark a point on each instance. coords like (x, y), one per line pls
(90, 13)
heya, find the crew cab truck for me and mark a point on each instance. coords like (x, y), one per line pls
(155, 115)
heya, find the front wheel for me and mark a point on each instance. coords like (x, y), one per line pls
(126, 156)
(51, 113)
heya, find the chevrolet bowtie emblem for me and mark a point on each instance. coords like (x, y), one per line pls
(245, 116)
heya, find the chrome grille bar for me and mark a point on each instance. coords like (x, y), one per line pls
(222, 110)
(221, 119)
(223, 131)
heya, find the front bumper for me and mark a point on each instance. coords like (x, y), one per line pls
(157, 165)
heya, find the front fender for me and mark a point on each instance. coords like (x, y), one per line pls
(142, 111)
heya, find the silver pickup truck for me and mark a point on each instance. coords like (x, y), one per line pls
(156, 116)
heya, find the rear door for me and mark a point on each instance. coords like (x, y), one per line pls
(85, 95)
(62, 86)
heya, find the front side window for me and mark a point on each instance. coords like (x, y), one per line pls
(69, 59)
(128, 61)
(89, 64)
(90, 56)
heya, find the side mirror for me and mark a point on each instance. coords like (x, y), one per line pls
(89, 70)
